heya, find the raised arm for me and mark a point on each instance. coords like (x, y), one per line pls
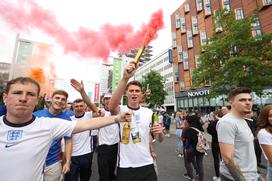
(79, 86)
(129, 71)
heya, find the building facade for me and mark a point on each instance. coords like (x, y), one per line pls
(192, 24)
(105, 81)
(145, 57)
(161, 63)
(4, 74)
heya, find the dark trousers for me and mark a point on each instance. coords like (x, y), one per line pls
(106, 160)
(223, 178)
(81, 166)
(199, 163)
(145, 173)
(94, 140)
(216, 157)
(258, 151)
(188, 162)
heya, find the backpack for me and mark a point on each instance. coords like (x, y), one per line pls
(202, 144)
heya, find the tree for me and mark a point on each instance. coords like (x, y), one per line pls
(233, 58)
(156, 85)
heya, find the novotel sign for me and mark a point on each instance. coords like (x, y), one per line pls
(198, 93)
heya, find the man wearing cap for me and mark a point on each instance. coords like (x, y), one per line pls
(107, 146)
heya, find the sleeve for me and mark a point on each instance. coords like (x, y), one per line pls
(68, 118)
(60, 127)
(226, 132)
(264, 137)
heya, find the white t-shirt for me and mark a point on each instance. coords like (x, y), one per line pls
(82, 141)
(108, 135)
(23, 148)
(137, 154)
(264, 138)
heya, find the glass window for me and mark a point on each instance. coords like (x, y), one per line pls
(186, 103)
(186, 7)
(195, 102)
(181, 103)
(256, 28)
(190, 39)
(194, 25)
(203, 38)
(267, 2)
(205, 102)
(176, 74)
(239, 13)
(183, 24)
(174, 40)
(190, 102)
(226, 5)
(179, 54)
(200, 101)
(197, 61)
(185, 60)
(182, 86)
(207, 6)
(199, 5)
(177, 20)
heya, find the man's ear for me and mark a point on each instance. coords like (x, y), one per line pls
(5, 97)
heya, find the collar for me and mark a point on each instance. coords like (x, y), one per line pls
(7, 122)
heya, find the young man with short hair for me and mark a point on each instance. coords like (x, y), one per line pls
(25, 139)
(135, 162)
(53, 167)
(107, 146)
(82, 153)
(236, 139)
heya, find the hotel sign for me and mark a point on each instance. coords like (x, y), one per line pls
(198, 93)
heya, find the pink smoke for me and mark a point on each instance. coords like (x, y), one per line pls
(25, 15)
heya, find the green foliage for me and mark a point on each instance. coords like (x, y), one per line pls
(233, 58)
(156, 85)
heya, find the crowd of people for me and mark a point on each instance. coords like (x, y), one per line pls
(238, 138)
(32, 141)
(57, 143)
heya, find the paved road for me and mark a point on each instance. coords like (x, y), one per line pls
(171, 168)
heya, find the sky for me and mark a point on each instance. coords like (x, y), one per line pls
(72, 15)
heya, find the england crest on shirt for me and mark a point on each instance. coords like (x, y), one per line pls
(14, 135)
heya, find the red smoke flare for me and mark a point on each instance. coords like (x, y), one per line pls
(155, 24)
(25, 15)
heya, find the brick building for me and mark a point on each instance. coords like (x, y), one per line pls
(192, 24)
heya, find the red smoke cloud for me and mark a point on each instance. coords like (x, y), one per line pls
(25, 15)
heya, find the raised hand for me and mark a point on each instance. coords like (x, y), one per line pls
(79, 86)
(130, 70)
(157, 129)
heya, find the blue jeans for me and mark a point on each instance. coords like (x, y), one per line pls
(180, 144)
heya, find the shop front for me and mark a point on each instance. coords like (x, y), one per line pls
(197, 100)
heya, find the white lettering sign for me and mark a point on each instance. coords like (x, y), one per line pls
(198, 93)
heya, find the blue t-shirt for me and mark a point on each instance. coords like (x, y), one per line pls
(54, 154)
(3, 109)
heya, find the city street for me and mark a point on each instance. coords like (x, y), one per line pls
(171, 168)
